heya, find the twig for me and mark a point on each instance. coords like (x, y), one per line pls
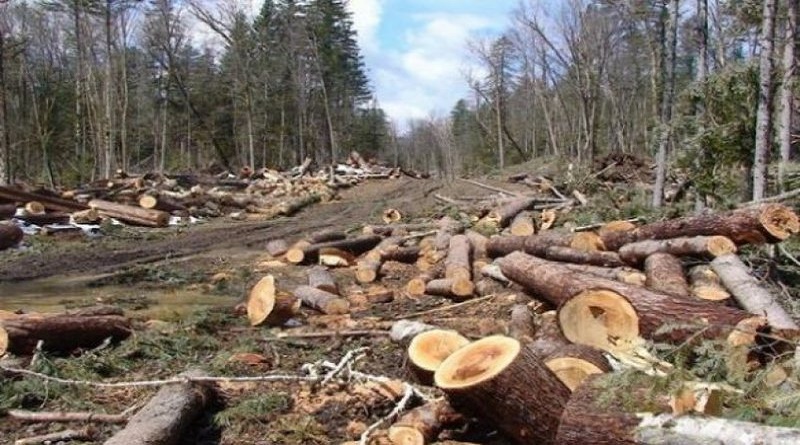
(62, 416)
(87, 433)
(445, 308)
(788, 254)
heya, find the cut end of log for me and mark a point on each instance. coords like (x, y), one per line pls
(148, 202)
(3, 341)
(746, 331)
(616, 226)
(477, 362)
(34, 208)
(587, 241)
(779, 221)
(261, 300)
(295, 255)
(416, 287)
(429, 349)
(572, 371)
(406, 435)
(600, 318)
(391, 216)
(720, 245)
(333, 257)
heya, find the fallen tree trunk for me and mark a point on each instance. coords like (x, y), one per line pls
(698, 246)
(492, 379)
(325, 302)
(131, 214)
(706, 284)
(455, 288)
(63, 333)
(622, 274)
(429, 349)
(407, 255)
(503, 215)
(10, 236)
(749, 293)
(327, 235)
(49, 202)
(593, 258)
(310, 253)
(422, 425)
(664, 273)
(457, 264)
(167, 415)
(320, 278)
(611, 315)
(769, 223)
(43, 219)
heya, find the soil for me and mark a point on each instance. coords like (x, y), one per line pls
(212, 266)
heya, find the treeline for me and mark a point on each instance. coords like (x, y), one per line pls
(91, 86)
(704, 85)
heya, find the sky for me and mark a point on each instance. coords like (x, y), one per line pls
(415, 51)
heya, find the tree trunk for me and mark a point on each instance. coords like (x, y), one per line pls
(7, 211)
(749, 293)
(277, 247)
(665, 274)
(665, 132)
(63, 333)
(10, 235)
(457, 263)
(770, 223)
(456, 288)
(131, 214)
(320, 278)
(265, 304)
(699, 246)
(354, 246)
(570, 255)
(323, 301)
(787, 90)
(492, 378)
(167, 415)
(49, 202)
(700, 78)
(764, 112)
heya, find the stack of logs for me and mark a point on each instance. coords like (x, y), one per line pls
(149, 200)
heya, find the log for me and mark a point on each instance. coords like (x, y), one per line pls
(585, 421)
(747, 291)
(492, 379)
(499, 246)
(43, 219)
(455, 288)
(587, 241)
(325, 302)
(324, 236)
(63, 333)
(7, 211)
(49, 202)
(610, 315)
(34, 208)
(521, 325)
(406, 255)
(623, 274)
(354, 246)
(319, 277)
(266, 305)
(416, 286)
(160, 203)
(369, 267)
(664, 273)
(768, 223)
(706, 284)
(698, 246)
(429, 349)
(88, 216)
(478, 242)
(397, 229)
(457, 264)
(522, 225)
(277, 247)
(167, 415)
(403, 331)
(594, 258)
(131, 214)
(503, 215)
(423, 424)
(10, 235)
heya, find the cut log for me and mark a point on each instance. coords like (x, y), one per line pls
(548, 219)
(587, 241)
(664, 273)
(49, 202)
(324, 236)
(43, 219)
(160, 203)
(455, 288)
(769, 223)
(7, 211)
(397, 229)
(34, 208)
(623, 274)
(521, 325)
(10, 235)
(503, 215)
(747, 291)
(265, 304)
(403, 331)
(522, 225)
(492, 379)
(698, 246)
(63, 333)
(88, 216)
(457, 265)
(167, 415)
(325, 302)
(594, 258)
(499, 246)
(391, 216)
(407, 255)
(422, 425)
(131, 214)
(429, 349)
(616, 226)
(310, 253)
(586, 420)
(478, 242)
(277, 247)
(610, 315)
(416, 286)
(333, 257)
(706, 284)
(369, 267)
(320, 278)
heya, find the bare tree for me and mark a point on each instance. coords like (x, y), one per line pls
(786, 93)
(665, 132)
(700, 77)
(764, 114)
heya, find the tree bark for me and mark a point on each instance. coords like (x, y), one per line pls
(325, 302)
(423, 424)
(787, 90)
(492, 379)
(355, 246)
(749, 293)
(131, 214)
(319, 277)
(764, 112)
(63, 333)
(667, 101)
(167, 415)
(768, 223)
(570, 255)
(49, 202)
(503, 215)
(456, 288)
(10, 236)
(7, 211)
(698, 246)
(277, 247)
(457, 264)
(665, 274)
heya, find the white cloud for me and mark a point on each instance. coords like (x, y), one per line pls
(366, 19)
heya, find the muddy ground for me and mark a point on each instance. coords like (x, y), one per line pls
(208, 268)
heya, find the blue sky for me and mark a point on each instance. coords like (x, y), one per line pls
(416, 53)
